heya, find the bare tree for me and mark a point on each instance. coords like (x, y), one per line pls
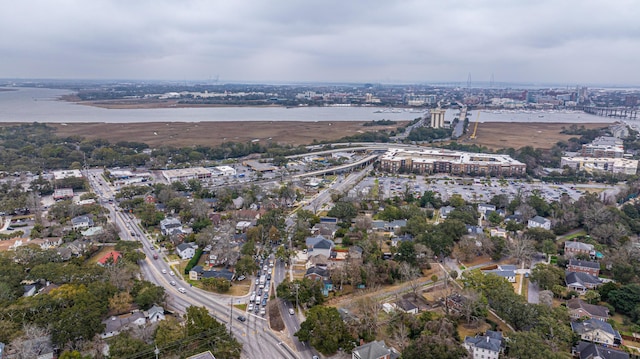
(399, 329)
(369, 309)
(32, 343)
(522, 248)
(411, 275)
(546, 297)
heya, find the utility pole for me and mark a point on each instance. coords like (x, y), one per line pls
(297, 287)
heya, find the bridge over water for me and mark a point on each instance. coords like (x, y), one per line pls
(619, 112)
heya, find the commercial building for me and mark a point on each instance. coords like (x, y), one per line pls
(433, 160)
(601, 164)
(604, 146)
(186, 174)
(66, 174)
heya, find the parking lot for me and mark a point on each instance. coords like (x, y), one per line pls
(476, 190)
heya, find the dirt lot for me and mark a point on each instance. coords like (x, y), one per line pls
(516, 134)
(215, 133)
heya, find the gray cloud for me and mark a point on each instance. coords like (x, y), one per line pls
(568, 41)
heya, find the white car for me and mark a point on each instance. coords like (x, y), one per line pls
(171, 273)
(182, 290)
(291, 311)
(172, 282)
(164, 271)
(250, 307)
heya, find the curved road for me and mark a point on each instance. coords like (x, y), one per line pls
(254, 334)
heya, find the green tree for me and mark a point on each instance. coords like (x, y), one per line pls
(126, 346)
(547, 276)
(345, 211)
(325, 330)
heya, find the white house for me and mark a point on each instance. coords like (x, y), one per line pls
(539, 222)
(167, 225)
(486, 346)
(81, 222)
(186, 250)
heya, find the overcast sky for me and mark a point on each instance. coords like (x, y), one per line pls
(541, 41)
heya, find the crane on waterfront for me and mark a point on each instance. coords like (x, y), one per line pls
(475, 128)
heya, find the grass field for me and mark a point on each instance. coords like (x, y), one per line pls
(491, 134)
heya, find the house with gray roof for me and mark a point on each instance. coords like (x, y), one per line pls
(578, 308)
(597, 331)
(444, 211)
(505, 271)
(170, 225)
(186, 250)
(586, 350)
(374, 350)
(539, 222)
(81, 222)
(580, 282)
(319, 245)
(116, 325)
(486, 346)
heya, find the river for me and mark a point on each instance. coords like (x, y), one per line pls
(43, 105)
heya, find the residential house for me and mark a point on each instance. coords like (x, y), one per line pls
(317, 273)
(154, 314)
(539, 222)
(474, 231)
(407, 306)
(395, 241)
(395, 225)
(498, 232)
(238, 202)
(444, 211)
(48, 243)
(486, 346)
(505, 271)
(116, 325)
(580, 282)
(170, 225)
(197, 273)
(576, 265)
(374, 350)
(319, 245)
(110, 258)
(30, 290)
(484, 209)
(514, 217)
(81, 222)
(578, 308)
(242, 226)
(573, 248)
(597, 331)
(586, 350)
(327, 230)
(186, 250)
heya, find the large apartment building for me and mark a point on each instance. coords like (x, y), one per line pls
(601, 164)
(435, 160)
